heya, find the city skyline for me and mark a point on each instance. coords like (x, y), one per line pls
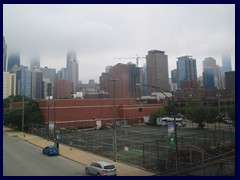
(100, 33)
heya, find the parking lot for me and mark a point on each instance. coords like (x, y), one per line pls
(146, 146)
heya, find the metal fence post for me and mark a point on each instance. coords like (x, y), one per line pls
(190, 154)
(143, 156)
(223, 135)
(182, 140)
(166, 160)
(214, 138)
(204, 138)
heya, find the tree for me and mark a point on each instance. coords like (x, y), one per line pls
(196, 112)
(17, 98)
(153, 117)
(163, 112)
(231, 112)
(210, 114)
(32, 114)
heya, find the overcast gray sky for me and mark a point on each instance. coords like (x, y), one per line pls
(100, 33)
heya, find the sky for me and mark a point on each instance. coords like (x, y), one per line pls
(100, 34)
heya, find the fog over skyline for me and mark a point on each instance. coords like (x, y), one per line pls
(101, 33)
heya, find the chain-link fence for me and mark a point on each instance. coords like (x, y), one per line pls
(146, 146)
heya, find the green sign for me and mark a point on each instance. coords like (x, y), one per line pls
(171, 141)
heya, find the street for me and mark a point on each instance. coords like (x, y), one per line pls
(21, 158)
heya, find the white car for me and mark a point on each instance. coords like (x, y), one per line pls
(227, 121)
(101, 168)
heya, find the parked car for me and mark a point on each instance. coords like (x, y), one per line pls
(227, 121)
(101, 168)
(50, 150)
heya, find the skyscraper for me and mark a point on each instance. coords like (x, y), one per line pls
(208, 78)
(13, 63)
(37, 78)
(157, 70)
(64, 88)
(24, 82)
(210, 63)
(186, 70)
(4, 54)
(72, 68)
(143, 80)
(34, 63)
(62, 74)
(9, 84)
(226, 67)
(50, 74)
(226, 62)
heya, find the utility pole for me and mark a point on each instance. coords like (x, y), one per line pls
(114, 122)
(175, 129)
(23, 114)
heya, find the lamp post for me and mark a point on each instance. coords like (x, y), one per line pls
(23, 114)
(219, 111)
(161, 90)
(114, 122)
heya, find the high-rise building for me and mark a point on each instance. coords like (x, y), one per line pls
(210, 63)
(35, 63)
(9, 84)
(174, 76)
(208, 78)
(37, 78)
(72, 66)
(120, 73)
(226, 62)
(230, 82)
(47, 87)
(64, 88)
(50, 73)
(13, 63)
(143, 80)
(62, 74)
(226, 67)
(4, 54)
(103, 82)
(126, 76)
(157, 70)
(24, 82)
(107, 68)
(186, 70)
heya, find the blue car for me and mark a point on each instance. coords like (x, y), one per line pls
(50, 150)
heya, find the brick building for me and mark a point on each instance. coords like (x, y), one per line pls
(85, 112)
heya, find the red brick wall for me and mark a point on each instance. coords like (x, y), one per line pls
(77, 112)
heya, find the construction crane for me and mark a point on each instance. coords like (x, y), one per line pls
(137, 58)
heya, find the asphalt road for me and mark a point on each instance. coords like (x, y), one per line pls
(21, 158)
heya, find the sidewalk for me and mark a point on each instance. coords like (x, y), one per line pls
(77, 155)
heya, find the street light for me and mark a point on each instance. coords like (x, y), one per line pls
(161, 90)
(219, 111)
(23, 114)
(114, 122)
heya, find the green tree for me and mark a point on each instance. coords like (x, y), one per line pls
(231, 112)
(210, 114)
(165, 111)
(18, 98)
(32, 113)
(13, 118)
(153, 118)
(195, 112)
